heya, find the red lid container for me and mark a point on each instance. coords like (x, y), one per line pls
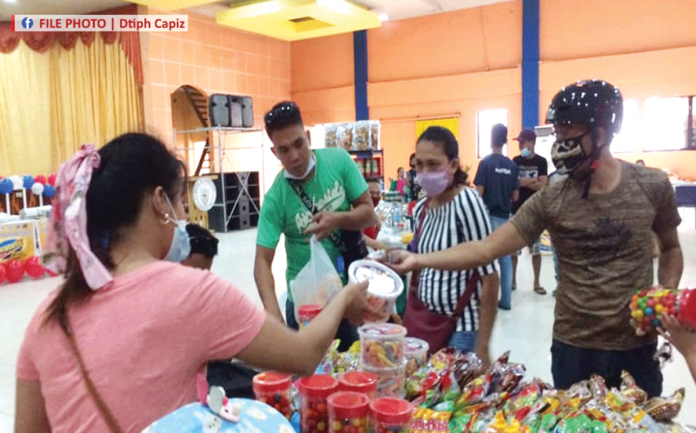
(687, 309)
(392, 411)
(309, 311)
(271, 382)
(358, 381)
(348, 405)
(318, 386)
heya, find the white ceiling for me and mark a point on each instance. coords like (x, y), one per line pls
(395, 9)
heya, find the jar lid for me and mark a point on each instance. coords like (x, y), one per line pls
(415, 346)
(383, 281)
(271, 381)
(358, 381)
(386, 331)
(309, 310)
(391, 411)
(318, 386)
(349, 404)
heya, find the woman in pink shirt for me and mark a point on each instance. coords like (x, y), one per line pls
(119, 344)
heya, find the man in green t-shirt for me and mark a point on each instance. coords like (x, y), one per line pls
(330, 179)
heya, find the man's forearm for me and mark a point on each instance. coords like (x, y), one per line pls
(488, 309)
(266, 286)
(358, 218)
(463, 256)
(671, 267)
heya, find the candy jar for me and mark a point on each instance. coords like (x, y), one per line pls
(308, 312)
(314, 392)
(416, 354)
(385, 286)
(390, 415)
(274, 389)
(359, 381)
(348, 412)
(648, 305)
(382, 345)
(391, 382)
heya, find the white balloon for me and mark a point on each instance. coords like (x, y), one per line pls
(37, 188)
(17, 182)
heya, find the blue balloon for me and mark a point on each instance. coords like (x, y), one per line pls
(49, 191)
(6, 186)
(27, 181)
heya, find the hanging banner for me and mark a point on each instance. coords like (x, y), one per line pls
(451, 123)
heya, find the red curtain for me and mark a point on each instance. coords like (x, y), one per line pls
(42, 41)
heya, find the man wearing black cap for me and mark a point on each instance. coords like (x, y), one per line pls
(533, 171)
(601, 219)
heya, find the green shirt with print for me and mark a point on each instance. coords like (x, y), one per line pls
(336, 183)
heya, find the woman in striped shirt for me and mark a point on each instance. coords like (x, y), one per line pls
(454, 213)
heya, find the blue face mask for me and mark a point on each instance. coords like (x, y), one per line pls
(180, 248)
(526, 153)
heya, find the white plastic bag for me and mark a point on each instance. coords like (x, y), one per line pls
(318, 281)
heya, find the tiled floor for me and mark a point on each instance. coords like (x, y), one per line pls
(525, 331)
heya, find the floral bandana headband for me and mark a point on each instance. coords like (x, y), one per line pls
(68, 223)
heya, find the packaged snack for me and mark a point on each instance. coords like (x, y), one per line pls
(314, 392)
(308, 312)
(359, 381)
(416, 353)
(630, 389)
(466, 367)
(348, 412)
(665, 409)
(390, 415)
(349, 360)
(273, 389)
(330, 135)
(328, 364)
(430, 421)
(344, 136)
(374, 134)
(382, 345)
(361, 135)
(598, 387)
(385, 287)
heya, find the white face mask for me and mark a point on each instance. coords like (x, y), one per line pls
(310, 167)
(180, 247)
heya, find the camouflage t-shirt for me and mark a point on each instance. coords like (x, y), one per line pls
(604, 245)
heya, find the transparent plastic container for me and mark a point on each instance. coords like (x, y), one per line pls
(308, 312)
(416, 354)
(382, 345)
(391, 382)
(390, 415)
(348, 412)
(385, 287)
(273, 389)
(314, 411)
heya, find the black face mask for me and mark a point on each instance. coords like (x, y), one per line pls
(569, 154)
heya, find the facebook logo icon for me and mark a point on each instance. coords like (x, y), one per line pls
(27, 23)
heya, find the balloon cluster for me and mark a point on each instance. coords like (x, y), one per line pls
(39, 185)
(13, 270)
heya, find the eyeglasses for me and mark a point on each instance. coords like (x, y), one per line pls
(281, 110)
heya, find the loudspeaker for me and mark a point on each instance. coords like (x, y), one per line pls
(219, 109)
(247, 112)
(235, 113)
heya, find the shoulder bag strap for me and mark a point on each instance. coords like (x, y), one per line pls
(312, 209)
(416, 238)
(101, 405)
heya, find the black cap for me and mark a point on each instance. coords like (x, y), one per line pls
(202, 241)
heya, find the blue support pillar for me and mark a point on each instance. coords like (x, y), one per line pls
(530, 63)
(362, 111)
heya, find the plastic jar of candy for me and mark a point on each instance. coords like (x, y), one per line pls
(648, 305)
(391, 382)
(348, 412)
(382, 345)
(416, 354)
(274, 389)
(358, 381)
(385, 287)
(314, 411)
(390, 415)
(308, 312)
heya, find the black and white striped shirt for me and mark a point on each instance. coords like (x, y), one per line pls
(463, 219)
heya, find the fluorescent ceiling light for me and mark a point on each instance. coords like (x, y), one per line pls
(383, 17)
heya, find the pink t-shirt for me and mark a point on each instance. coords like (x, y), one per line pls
(143, 341)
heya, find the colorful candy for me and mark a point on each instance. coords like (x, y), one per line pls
(314, 412)
(348, 412)
(390, 415)
(416, 354)
(274, 389)
(648, 305)
(391, 382)
(382, 345)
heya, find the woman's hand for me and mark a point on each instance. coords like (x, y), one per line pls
(683, 339)
(402, 261)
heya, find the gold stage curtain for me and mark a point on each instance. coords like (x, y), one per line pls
(55, 101)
